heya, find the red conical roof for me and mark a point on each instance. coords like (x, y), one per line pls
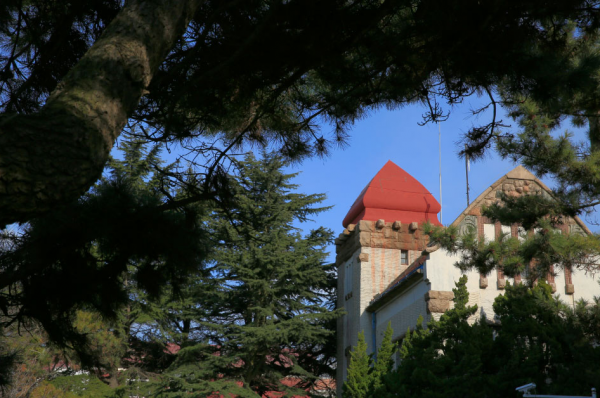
(394, 195)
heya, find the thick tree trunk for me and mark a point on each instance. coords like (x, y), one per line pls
(53, 157)
(113, 379)
(185, 331)
(594, 133)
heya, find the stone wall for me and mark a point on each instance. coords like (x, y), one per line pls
(438, 300)
(379, 234)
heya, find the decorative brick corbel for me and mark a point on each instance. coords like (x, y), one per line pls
(518, 279)
(501, 284)
(483, 282)
(501, 281)
(438, 301)
(569, 288)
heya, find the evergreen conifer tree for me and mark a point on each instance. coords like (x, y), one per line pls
(385, 359)
(360, 374)
(461, 294)
(117, 235)
(268, 316)
(406, 345)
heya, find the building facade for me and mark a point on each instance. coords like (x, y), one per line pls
(388, 272)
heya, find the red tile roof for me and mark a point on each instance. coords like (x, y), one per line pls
(394, 195)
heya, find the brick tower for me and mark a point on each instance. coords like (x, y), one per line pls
(383, 235)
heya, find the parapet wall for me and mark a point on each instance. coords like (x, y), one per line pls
(379, 234)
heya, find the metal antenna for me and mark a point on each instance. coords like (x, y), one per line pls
(467, 166)
(440, 152)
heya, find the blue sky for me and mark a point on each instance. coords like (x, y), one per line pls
(396, 136)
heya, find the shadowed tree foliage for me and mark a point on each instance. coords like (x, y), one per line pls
(365, 376)
(216, 75)
(255, 310)
(535, 253)
(385, 358)
(91, 254)
(359, 371)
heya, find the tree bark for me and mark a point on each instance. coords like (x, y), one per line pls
(594, 133)
(52, 157)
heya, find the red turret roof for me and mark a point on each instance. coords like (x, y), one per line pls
(394, 195)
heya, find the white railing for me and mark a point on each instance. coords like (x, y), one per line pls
(531, 386)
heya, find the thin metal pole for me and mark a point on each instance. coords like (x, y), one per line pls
(440, 152)
(467, 172)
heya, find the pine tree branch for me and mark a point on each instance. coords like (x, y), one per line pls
(54, 156)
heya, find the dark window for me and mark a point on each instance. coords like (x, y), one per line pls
(404, 257)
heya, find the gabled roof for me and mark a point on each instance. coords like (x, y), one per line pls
(527, 182)
(394, 195)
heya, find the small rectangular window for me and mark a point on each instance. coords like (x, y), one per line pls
(348, 279)
(489, 232)
(404, 257)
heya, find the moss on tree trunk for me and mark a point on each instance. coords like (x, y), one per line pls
(56, 155)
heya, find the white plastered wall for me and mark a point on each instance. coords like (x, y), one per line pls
(442, 275)
(586, 286)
